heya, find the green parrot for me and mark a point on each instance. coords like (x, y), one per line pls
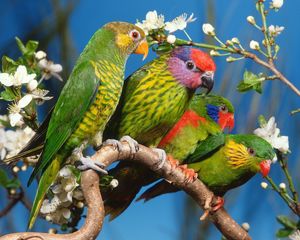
(223, 162)
(85, 105)
(205, 116)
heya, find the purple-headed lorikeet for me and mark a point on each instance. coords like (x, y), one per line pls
(205, 116)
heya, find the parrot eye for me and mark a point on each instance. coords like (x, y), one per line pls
(190, 65)
(135, 35)
(223, 109)
(251, 151)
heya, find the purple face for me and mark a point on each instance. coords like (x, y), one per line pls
(184, 64)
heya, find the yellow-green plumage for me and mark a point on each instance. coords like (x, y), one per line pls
(86, 102)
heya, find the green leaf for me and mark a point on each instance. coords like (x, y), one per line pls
(7, 94)
(251, 81)
(286, 222)
(31, 46)
(21, 45)
(283, 233)
(8, 65)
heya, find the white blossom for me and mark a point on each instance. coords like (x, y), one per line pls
(15, 117)
(153, 21)
(171, 39)
(271, 134)
(50, 69)
(40, 55)
(254, 45)
(20, 77)
(251, 20)
(15, 140)
(275, 30)
(208, 29)
(295, 235)
(264, 185)
(282, 186)
(66, 194)
(277, 3)
(32, 85)
(179, 23)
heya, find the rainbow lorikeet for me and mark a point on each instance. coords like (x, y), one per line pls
(223, 162)
(205, 116)
(85, 104)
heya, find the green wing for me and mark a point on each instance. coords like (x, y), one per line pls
(205, 148)
(73, 102)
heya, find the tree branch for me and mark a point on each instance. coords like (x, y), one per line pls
(90, 186)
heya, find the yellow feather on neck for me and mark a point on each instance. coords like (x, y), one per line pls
(237, 154)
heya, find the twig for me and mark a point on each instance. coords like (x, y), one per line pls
(90, 186)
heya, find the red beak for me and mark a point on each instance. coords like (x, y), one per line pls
(226, 120)
(265, 167)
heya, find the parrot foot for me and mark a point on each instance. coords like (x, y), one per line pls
(133, 145)
(162, 157)
(210, 206)
(217, 204)
(189, 173)
(112, 142)
(174, 163)
(88, 163)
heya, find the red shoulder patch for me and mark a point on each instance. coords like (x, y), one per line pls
(188, 118)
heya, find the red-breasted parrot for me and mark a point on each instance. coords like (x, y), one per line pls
(86, 103)
(205, 116)
(223, 162)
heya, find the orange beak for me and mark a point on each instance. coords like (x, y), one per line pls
(226, 120)
(142, 48)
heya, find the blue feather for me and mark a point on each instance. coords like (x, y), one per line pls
(213, 112)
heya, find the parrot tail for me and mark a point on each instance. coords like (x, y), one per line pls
(158, 189)
(47, 178)
(131, 178)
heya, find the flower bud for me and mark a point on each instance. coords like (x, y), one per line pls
(32, 85)
(254, 45)
(246, 226)
(208, 29)
(114, 183)
(235, 40)
(251, 20)
(282, 186)
(171, 39)
(214, 53)
(40, 55)
(16, 169)
(277, 3)
(264, 185)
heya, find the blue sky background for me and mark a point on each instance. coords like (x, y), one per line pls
(163, 217)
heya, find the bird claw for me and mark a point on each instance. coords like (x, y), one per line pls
(210, 206)
(133, 145)
(162, 157)
(88, 163)
(173, 162)
(117, 145)
(189, 173)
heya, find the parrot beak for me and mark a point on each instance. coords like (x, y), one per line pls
(142, 48)
(208, 81)
(265, 167)
(226, 120)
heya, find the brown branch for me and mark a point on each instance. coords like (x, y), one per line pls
(90, 182)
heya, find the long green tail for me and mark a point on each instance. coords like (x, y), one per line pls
(46, 180)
